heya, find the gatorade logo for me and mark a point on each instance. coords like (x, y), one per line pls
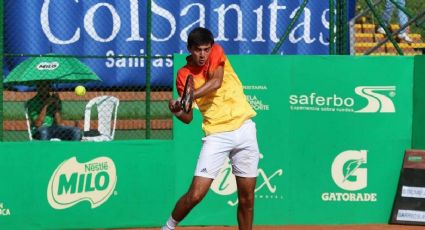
(377, 101)
(73, 182)
(47, 65)
(347, 172)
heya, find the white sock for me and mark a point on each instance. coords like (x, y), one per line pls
(171, 224)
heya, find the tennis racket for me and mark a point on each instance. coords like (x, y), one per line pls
(187, 97)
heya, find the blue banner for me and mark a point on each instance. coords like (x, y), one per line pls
(118, 28)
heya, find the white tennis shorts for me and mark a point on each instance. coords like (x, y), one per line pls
(240, 146)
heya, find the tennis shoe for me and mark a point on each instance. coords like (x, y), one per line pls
(381, 30)
(405, 37)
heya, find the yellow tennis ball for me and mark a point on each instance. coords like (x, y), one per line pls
(80, 90)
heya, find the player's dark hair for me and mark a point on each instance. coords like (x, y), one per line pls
(200, 36)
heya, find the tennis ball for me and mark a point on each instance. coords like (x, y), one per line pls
(80, 90)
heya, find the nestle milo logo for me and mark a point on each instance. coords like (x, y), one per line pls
(74, 182)
(47, 65)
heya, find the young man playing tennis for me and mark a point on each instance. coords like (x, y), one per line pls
(229, 131)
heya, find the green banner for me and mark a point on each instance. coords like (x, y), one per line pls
(64, 185)
(418, 135)
(332, 132)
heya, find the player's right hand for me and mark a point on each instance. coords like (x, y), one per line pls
(51, 100)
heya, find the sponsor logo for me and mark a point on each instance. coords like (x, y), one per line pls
(257, 104)
(348, 165)
(225, 184)
(47, 66)
(255, 87)
(378, 101)
(254, 100)
(73, 182)
(348, 173)
(126, 25)
(4, 211)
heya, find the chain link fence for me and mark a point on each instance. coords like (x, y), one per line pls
(129, 45)
(404, 20)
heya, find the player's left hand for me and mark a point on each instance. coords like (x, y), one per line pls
(174, 106)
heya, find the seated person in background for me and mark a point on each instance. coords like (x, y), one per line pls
(402, 19)
(44, 111)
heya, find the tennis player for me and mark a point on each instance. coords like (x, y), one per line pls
(229, 130)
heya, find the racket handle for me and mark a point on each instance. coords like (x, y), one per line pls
(177, 114)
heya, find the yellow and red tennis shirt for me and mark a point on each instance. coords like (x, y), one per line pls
(227, 108)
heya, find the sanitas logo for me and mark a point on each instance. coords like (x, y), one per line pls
(348, 174)
(225, 183)
(73, 182)
(377, 101)
(48, 65)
